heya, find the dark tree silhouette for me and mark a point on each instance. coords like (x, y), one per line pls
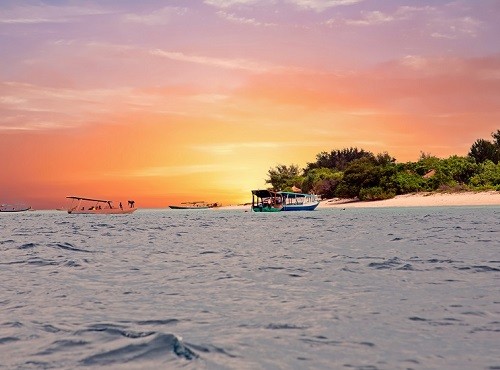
(338, 159)
(483, 150)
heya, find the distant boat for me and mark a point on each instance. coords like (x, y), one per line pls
(195, 205)
(278, 201)
(14, 208)
(97, 206)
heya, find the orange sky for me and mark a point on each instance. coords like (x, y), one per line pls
(170, 103)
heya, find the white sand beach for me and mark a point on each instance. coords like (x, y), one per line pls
(421, 200)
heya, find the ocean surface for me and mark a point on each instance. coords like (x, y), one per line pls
(383, 288)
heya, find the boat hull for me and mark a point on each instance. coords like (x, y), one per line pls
(9, 208)
(107, 211)
(260, 208)
(300, 207)
(187, 207)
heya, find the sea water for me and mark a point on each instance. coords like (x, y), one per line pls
(387, 288)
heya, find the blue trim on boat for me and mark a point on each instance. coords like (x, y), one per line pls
(291, 207)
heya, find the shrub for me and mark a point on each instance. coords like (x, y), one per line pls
(487, 176)
(408, 182)
(375, 193)
(322, 181)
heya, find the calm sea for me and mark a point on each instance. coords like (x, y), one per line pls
(390, 288)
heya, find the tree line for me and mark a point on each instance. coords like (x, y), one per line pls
(356, 173)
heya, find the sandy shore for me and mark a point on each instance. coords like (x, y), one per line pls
(422, 200)
(412, 200)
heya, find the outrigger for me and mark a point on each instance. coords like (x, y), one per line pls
(277, 201)
(98, 206)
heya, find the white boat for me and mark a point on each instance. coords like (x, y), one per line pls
(98, 206)
(14, 208)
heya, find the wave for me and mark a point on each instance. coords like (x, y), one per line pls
(159, 345)
(28, 246)
(391, 263)
(69, 247)
(482, 268)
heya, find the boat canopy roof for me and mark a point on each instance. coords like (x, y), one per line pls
(263, 193)
(89, 199)
(290, 194)
(287, 194)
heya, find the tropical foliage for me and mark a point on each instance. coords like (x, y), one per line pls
(284, 177)
(357, 173)
(483, 150)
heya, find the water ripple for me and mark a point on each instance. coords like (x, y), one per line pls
(159, 346)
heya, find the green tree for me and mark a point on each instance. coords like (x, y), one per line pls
(406, 181)
(483, 150)
(458, 169)
(488, 176)
(366, 179)
(338, 159)
(384, 159)
(283, 178)
(496, 138)
(322, 181)
(426, 163)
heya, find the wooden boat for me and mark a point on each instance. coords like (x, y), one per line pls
(278, 201)
(97, 207)
(195, 205)
(14, 208)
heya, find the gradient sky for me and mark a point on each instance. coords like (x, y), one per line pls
(169, 101)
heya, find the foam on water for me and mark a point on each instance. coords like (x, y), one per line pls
(363, 289)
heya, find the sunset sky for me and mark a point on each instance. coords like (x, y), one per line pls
(169, 101)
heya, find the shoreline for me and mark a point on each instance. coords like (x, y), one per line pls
(482, 198)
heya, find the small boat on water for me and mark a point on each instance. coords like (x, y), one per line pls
(195, 205)
(98, 206)
(14, 208)
(278, 201)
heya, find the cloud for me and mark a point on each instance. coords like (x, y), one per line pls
(316, 5)
(454, 28)
(415, 62)
(238, 64)
(414, 86)
(321, 5)
(432, 21)
(370, 19)
(30, 107)
(376, 17)
(158, 17)
(43, 13)
(229, 3)
(231, 17)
